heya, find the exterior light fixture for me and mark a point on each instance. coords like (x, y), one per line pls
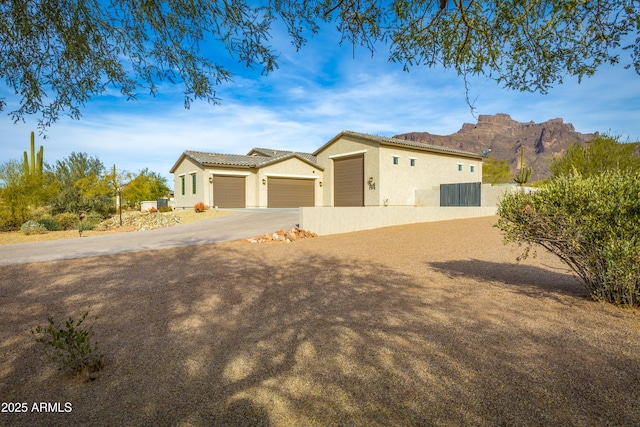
(320, 183)
(264, 181)
(372, 185)
(210, 179)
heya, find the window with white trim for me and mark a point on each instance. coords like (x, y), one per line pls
(396, 160)
(412, 162)
(193, 183)
(460, 165)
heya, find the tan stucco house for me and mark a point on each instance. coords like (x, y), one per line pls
(352, 169)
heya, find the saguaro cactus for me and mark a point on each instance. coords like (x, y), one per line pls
(522, 177)
(35, 167)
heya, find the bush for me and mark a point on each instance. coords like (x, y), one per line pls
(32, 227)
(7, 221)
(199, 207)
(71, 345)
(49, 223)
(165, 209)
(153, 210)
(592, 224)
(66, 220)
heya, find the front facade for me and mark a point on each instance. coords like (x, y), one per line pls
(352, 169)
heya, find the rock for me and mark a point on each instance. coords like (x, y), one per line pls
(281, 236)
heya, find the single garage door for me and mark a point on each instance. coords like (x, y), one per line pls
(290, 192)
(348, 181)
(229, 191)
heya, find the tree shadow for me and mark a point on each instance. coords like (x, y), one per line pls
(248, 335)
(525, 279)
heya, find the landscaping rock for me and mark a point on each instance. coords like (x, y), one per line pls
(283, 236)
(142, 220)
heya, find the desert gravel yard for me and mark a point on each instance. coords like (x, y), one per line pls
(426, 324)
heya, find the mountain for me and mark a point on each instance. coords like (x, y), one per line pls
(502, 137)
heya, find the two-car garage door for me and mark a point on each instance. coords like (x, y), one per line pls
(290, 192)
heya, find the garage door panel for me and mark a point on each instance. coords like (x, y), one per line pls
(348, 178)
(290, 192)
(229, 191)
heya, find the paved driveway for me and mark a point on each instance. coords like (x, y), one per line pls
(240, 225)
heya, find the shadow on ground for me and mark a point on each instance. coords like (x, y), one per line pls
(526, 279)
(224, 336)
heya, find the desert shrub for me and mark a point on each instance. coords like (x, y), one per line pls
(165, 209)
(93, 218)
(49, 223)
(33, 227)
(72, 345)
(153, 210)
(199, 207)
(7, 221)
(592, 224)
(66, 220)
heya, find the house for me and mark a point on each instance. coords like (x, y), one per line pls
(262, 178)
(352, 169)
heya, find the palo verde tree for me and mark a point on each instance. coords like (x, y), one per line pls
(84, 187)
(58, 55)
(147, 185)
(602, 153)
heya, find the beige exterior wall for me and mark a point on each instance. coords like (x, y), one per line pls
(345, 147)
(325, 221)
(400, 182)
(187, 168)
(290, 168)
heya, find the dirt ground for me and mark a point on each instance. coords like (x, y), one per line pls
(425, 324)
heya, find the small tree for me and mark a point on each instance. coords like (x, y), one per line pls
(495, 171)
(602, 153)
(592, 224)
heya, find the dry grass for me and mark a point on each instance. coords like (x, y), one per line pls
(427, 324)
(186, 216)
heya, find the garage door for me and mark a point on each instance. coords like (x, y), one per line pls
(229, 191)
(348, 179)
(290, 193)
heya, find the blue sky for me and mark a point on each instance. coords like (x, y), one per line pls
(316, 93)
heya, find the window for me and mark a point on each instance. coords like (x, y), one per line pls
(472, 168)
(182, 184)
(412, 162)
(396, 160)
(459, 167)
(193, 183)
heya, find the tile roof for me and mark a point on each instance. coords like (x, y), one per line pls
(401, 142)
(269, 156)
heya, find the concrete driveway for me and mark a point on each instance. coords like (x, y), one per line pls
(240, 225)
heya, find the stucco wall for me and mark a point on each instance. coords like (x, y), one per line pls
(290, 168)
(325, 221)
(186, 168)
(490, 195)
(399, 183)
(344, 147)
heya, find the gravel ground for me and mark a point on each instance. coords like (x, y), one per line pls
(426, 324)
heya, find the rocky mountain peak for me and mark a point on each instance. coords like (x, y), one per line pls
(503, 137)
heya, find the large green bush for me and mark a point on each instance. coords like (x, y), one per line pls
(592, 224)
(66, 220)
